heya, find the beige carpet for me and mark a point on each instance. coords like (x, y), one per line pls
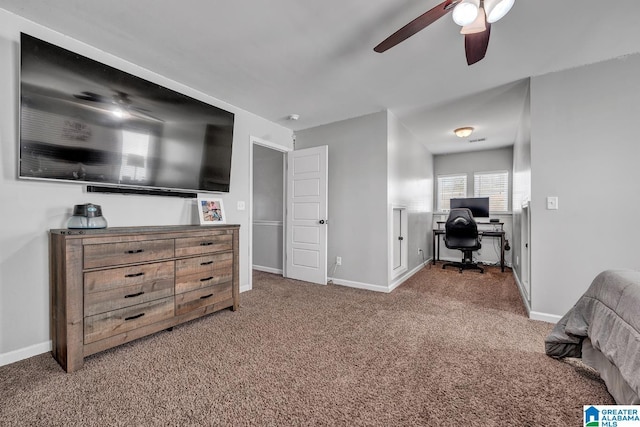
(442, 349)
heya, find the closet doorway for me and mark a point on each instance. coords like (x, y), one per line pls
(268, 179)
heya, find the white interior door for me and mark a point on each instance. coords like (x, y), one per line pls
(307, 215)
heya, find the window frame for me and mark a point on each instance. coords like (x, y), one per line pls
(492, 202)
(439, 198)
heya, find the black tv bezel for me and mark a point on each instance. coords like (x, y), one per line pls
(118, 188)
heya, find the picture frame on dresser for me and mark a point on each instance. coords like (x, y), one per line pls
(211, 211)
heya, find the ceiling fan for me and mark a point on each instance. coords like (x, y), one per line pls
(474, 16)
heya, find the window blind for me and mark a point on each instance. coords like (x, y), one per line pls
(450, 186)
(494, 185)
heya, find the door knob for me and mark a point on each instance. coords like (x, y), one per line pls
(321, 221)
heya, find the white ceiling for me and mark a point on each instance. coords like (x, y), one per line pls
(278, 57)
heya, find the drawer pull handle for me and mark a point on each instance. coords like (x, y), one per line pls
(134, 275)
(206, 296)
(206, 243)
(206, 263)
(134, 317)
(206, 278)
(135, 251)
(134, 295)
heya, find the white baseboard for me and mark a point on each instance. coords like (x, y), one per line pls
(244, 288)
(379, 288)
(400, 280)
(544, 317)
(267, 269)
(523, 295)
(360, 285)
(24, 353)
(534, 315)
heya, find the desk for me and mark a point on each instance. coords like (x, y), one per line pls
(497, 232)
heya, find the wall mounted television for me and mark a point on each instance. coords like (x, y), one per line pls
(86, 122)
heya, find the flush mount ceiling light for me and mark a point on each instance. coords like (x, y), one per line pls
(463, 132)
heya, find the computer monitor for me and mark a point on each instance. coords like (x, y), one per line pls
(479, 206)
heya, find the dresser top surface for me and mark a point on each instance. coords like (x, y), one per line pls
(83, 232)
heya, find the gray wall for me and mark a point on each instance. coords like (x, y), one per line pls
(468, 163)
(410, 181)
(268, 191)
(374, 164)
(583, 151)
(521, 183)
(357, 229)
(29, 208)
(475, 161)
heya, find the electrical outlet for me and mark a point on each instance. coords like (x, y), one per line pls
(338, 260)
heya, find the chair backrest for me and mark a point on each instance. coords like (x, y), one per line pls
(461, 223)
(461, 230)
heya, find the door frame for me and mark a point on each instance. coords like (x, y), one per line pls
(253, 140)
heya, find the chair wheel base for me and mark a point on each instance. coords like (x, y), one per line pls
(463, 266)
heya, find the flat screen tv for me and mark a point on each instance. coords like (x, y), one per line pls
(87, 122)
(479, 206)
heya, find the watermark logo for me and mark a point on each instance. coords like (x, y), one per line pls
(592, 417)
(611, 415)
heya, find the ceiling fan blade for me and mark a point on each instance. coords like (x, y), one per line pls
(86, 98)
(139, 109)
(91, 96)
(420, 23)
(475, 45)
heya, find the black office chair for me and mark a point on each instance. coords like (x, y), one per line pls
(461, 232)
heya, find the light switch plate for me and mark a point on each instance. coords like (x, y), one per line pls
(241, 205)
(552, 202)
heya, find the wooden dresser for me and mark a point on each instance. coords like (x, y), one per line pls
(115, 285)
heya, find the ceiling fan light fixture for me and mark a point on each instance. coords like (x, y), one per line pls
(497, 9)
(465, 12)
(477, 26)
(463, 132)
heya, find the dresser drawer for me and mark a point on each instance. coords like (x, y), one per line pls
(108, 254)
(193, 300)
(200, 272)
(216, 241)
(105, 325)
(116, 288)
(106, 280)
